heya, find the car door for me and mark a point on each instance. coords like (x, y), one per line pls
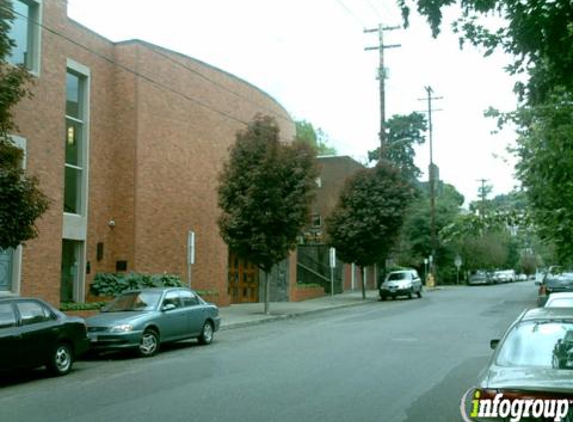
(173, 319)
(38, 330)
(196, 312)
(9, 337)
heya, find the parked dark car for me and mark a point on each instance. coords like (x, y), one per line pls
(553, 282)
(34, 334)
(534, 359)
(144, 319)
(401, 283)
(480, 277)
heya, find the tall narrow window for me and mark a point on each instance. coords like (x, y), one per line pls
(70, 278)
(74, 143)
(25, 32)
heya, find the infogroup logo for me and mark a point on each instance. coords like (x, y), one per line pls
(478, 405)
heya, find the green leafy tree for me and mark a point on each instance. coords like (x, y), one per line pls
(316, 138)
(545, 151)
(366, 222)
(21, 202)
(265, 192)
(415, 244)
(404, 132)
(537, 33)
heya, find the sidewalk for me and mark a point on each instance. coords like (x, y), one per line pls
(245, 314)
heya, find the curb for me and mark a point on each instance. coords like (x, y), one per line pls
(272, 318)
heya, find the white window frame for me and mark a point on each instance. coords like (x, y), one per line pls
(75, 225)
(34, 47)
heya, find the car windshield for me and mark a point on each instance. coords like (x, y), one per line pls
(397, 276)
(538, 344)
(135, 301)
(563, 279)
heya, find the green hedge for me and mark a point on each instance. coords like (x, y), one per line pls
(110, 284)
(72, 306)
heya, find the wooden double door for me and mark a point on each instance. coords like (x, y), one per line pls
(243, 286)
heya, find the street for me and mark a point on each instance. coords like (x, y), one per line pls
(402, 360)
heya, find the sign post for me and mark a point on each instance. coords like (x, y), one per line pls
(332, 262)
(190, 254)
(458, 264)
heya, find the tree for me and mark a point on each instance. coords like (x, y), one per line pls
(365, 224)
(545, 151)
(21, 202)
(415, 240)
(537, 33)
(318, 139)
(265, 193)
(404, 133)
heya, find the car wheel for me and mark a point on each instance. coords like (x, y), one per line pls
(149, 344)
(419, 293)
(61, 360)
(206, 336)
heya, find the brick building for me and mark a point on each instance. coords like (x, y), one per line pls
(127, 140)
(313, 257)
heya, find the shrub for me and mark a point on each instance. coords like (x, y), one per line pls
(110, 284)
(72, 306)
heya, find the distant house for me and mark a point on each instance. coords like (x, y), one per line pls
(127, 140)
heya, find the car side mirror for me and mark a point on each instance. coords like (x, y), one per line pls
(493, 343)
(168, 307)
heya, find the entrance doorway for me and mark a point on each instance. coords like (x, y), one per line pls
(243, 284)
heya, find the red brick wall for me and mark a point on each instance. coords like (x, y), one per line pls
(154, 155)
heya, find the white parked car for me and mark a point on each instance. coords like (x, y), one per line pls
(560, 300)
(401, 283)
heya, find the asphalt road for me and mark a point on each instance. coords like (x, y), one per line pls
(403, 361)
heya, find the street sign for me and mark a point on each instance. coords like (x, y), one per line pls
(458, 262)
(332, 254)
(190, 247)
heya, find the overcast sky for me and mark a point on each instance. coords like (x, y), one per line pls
(309, 55)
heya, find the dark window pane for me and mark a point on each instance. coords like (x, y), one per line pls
(7, 317)
(73, 143)
(32, 313)
(72, 186)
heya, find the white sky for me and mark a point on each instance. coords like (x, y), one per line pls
(309, 55)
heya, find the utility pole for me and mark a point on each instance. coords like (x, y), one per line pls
(382, 77)
(483, 191)
(433, 179)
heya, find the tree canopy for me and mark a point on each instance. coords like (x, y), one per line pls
(404, 132)
(265, 192)
(21, 202)
(367, 219)
(316, 138)
(537, 33)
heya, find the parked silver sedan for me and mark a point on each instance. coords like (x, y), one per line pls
(144, 319)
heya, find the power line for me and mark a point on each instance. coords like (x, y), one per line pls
(349, 12)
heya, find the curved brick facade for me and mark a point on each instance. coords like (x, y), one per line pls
(160, 128)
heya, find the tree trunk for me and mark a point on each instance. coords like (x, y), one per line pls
(267, 292)
(363, 283)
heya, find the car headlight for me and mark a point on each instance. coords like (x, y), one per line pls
(121, 328)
